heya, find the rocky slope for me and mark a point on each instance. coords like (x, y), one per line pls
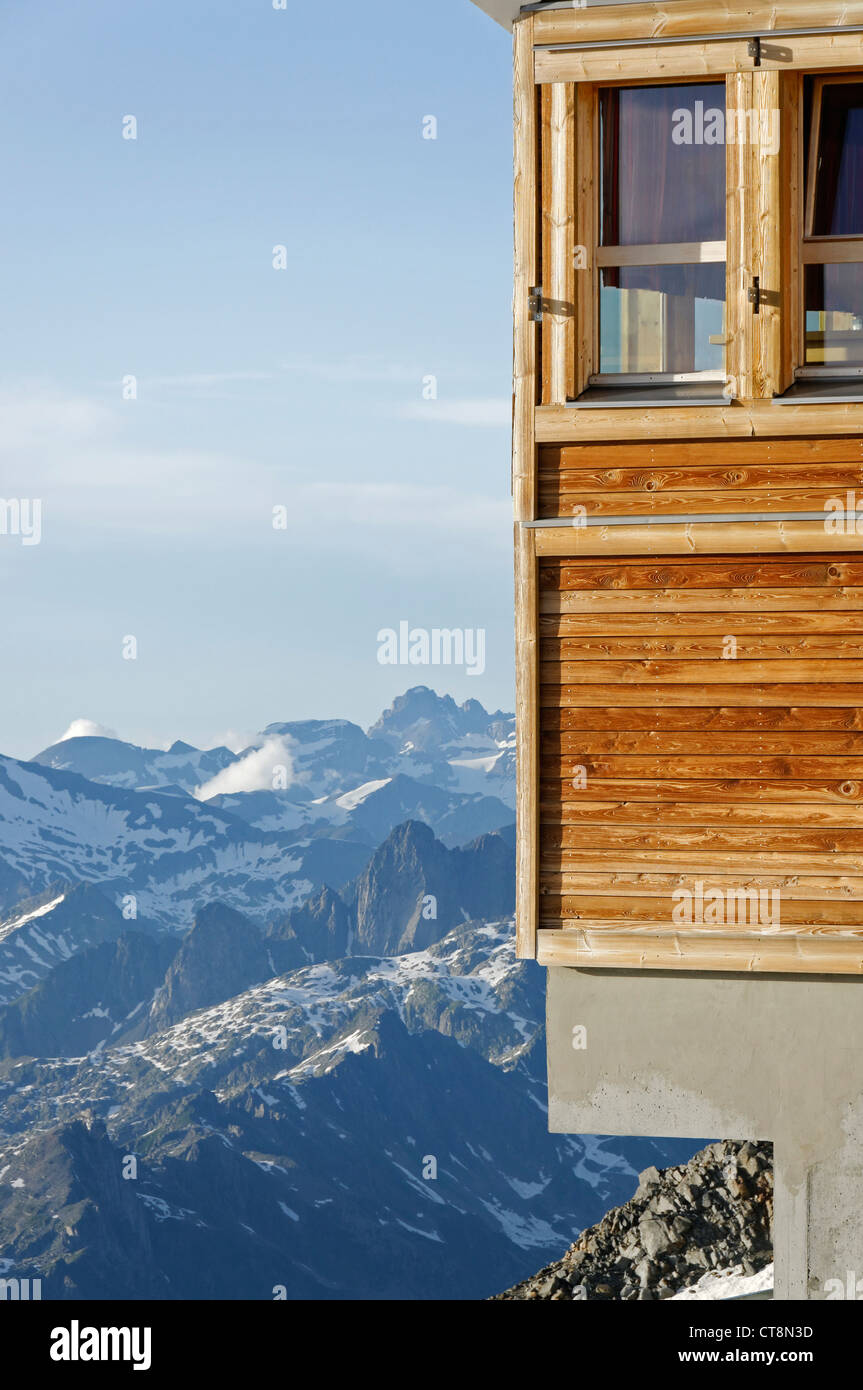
(712, 1213)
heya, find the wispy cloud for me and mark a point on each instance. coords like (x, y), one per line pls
(86, 462)
(260, 770)
(490, 412)
(86, 728)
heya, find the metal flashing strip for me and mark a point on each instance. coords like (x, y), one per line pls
(687, 519)
(658, 39)
(806, 398)
(644, 402)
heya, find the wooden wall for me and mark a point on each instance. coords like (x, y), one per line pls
(701, 720)
(697, 766)
(697, 477)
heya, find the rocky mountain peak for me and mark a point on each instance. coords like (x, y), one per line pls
(713, 1213)
(222, 955)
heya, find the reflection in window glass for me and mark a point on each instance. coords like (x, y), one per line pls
(838, 209)
(834, 315)
(662, 319)
(663, 164)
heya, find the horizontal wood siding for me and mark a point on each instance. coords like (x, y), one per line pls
(708, 476)
(701, 723)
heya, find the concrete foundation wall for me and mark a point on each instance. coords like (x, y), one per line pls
(776, 1057)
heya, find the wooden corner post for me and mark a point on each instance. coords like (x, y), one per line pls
(526, 253)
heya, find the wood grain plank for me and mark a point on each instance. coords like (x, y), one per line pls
(666, 537)
(555, 747)
(817, 888)
(525, 366)
(660, 19)
(761, 767)
(698, 58)
(738, 422)
(723, 718)
(608, 861)
(700, 600)
(752, 572)
(780, 499)
(767, 693)
(627, 950)
(655, 625)
(560, 782)
(559, 284)
(657, 913)
(803, 671)
(570, 483)
(651, 453)
(586, 218)
(555, 810)
(748, 647)
(750, 843)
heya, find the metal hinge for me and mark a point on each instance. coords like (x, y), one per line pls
(754, 295)
(534, 303)
(753, 48)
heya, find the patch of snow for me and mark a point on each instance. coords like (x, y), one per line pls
(727, 1283)
(415, 1230)
(8, 927)
(350, 800)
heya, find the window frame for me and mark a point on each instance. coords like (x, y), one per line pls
(846, 249)
(659, 254)
(766, 192)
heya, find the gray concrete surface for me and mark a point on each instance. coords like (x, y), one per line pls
(776, 1057)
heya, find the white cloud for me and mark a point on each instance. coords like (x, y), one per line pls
(492, 412)
(86, 728)
(254, 773)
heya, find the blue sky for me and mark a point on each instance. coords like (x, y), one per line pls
(256, 387)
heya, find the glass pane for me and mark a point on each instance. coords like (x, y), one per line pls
(662, 318)
(663, 164)
(839, 176)
(834, 315)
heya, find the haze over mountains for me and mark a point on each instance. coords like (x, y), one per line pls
(282, 981)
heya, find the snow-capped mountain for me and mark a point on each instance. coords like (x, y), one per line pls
(294, 1002)
(163, 855)
(370, 1128)
(113, 763)
(100, 811)
(330, 768)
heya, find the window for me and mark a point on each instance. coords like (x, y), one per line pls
(661, 252)
(833, 227)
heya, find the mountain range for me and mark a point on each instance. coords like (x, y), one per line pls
(244, 1058)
